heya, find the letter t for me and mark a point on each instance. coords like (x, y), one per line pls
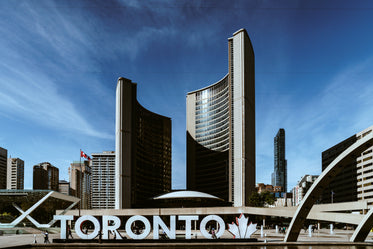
(63, 219)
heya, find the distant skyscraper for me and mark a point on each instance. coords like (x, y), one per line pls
(15, 178)
(280, 171)
(143, 150)
(80, 182)
(45, 176)
(3, 167)
(221, 129)
(103, 180)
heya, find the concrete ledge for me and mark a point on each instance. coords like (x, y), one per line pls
(217, 244)
(150, 241)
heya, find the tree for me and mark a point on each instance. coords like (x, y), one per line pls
(261, 199)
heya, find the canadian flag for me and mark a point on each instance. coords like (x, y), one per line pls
(82, 154)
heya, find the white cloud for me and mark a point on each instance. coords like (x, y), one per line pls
(35, 97)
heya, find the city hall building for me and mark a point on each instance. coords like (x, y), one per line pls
(142, 150)
(221, 129)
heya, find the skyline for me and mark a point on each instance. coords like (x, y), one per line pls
(61, 61)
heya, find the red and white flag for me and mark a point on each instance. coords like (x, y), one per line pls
(82, 154)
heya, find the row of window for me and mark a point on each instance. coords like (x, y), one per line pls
(222, 112)
(215, 141)
(212, 122)
(216, 89)
(222, 125)
(213, 135)
(212, 100)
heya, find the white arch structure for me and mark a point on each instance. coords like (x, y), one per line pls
(317, 187)
(26, 214)
(363, 229)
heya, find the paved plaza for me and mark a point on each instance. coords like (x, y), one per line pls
(269, 236)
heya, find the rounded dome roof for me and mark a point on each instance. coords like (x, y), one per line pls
(185, 194)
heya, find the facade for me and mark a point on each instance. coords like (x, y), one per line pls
(143, 150)
(302, 187)
(261, 187)
(45, 176)
(15, 173)
(64, 187)
(103, 180)
(221, 129)
(80, 182)
(3, 167)
(364, 168)
(343, 188)
(279, 176)
(284, 200)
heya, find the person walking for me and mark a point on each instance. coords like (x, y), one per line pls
(46, 238)
(69, 234)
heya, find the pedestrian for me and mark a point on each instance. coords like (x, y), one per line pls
(46, 237)
(213, 233)
(69, 234)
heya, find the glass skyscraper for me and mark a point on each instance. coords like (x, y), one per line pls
(279, 176)
(221, 129)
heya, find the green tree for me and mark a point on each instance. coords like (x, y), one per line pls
(261, 199)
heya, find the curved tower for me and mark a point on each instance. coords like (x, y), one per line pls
(142, 150)
(221, 129)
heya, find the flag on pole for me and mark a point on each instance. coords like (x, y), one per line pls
(82, 154)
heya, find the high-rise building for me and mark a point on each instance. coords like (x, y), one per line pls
(143, 150)
(103, 180)
(80, 182)
(221, 129)
(280, 165)
(343, 187)
(355, 182)
(15, 173)
(45, 176)
(3, 167)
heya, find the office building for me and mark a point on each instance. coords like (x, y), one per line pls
(280, 164)
(355, 182)
(221, 129)
(15, 173)
(343, 187)
(45, 176)
(300, 190)
(80, 182)
(103, 180)
(64, 187)
(143, 150)
(3, 167)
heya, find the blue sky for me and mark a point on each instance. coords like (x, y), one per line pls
(60, 61)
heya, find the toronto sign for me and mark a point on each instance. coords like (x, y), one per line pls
(110, 224)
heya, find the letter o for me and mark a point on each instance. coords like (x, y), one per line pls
(203, 224)
(82, 219)
(144, 233)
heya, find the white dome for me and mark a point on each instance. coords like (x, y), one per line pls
(185, 194)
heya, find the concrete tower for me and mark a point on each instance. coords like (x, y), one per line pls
(142, 150)
(221, 129)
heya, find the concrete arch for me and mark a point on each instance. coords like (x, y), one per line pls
(363, 229)
(325, 178)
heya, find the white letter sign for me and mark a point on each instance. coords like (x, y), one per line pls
(78, 228)
(146, 231)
